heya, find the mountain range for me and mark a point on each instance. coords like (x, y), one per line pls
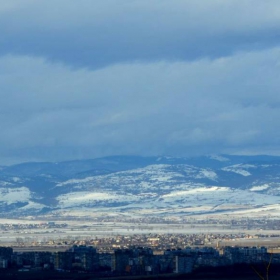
(143, 186)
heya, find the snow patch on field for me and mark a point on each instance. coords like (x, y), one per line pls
(219, 158)
(259, 188)
(239, 169)
(14, 195)
(33, 206)
(79, 198)
(196, 191)
(75, 181)
(3, 183)
(16, 179)
(209, 174)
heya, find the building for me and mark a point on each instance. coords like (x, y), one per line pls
(85, 257)
(183, 264)
(63, 260)
(121, 260)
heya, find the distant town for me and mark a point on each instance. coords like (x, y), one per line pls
(135, 254)
(132, 247)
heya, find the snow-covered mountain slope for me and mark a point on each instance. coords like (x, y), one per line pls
(150, 186)
(18, 199)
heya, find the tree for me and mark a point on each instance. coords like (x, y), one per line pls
(264, 276)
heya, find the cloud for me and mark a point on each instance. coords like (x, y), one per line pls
(96, 34)
(51, 111)
(82, 79)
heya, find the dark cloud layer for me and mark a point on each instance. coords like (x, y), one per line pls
(99, 33)
(81, 79)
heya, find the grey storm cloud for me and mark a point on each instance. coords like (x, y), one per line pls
(98, 33)
(82, 79)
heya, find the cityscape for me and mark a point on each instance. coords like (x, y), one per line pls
(134, 260)
(139, 139)
(43, 247)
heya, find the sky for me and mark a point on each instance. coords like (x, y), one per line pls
(86, 79)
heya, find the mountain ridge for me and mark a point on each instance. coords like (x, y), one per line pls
(142, 185)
